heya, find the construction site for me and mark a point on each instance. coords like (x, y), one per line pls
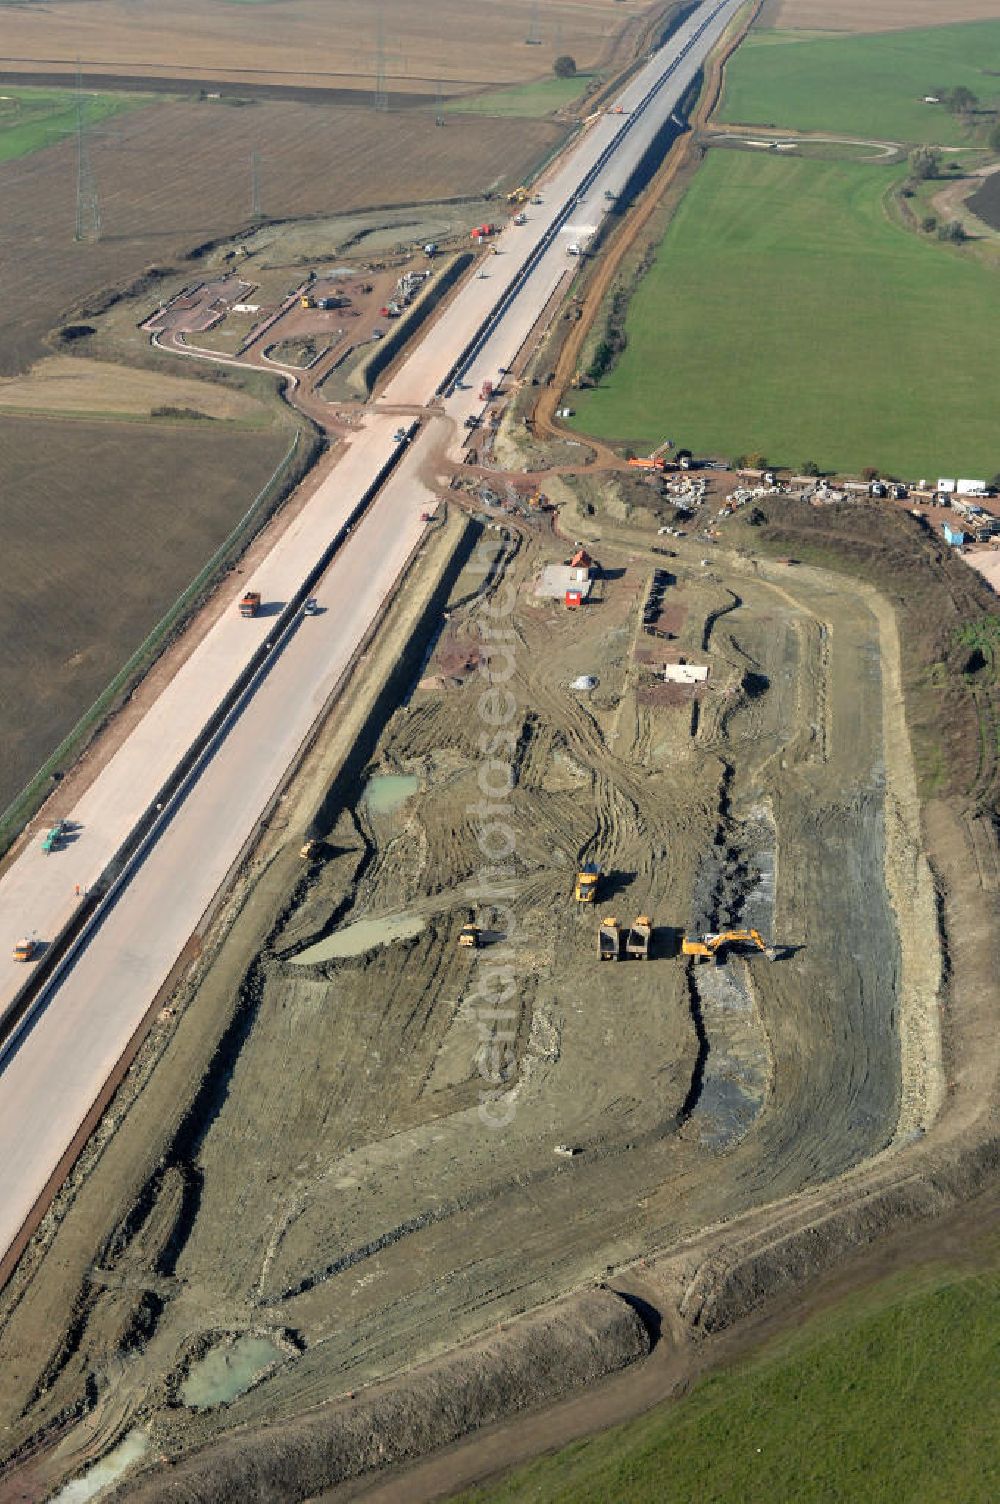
(618, 958)
(403, 1060)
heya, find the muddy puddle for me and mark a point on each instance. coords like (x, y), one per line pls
(387, 791)
(366, 934)
(110, 1468)
(228, 1371)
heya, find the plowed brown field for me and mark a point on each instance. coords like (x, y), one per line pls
(88, 503)
(178, 174)
(313, 40)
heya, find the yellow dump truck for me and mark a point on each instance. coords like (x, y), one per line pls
(639, 936)
(609, 940)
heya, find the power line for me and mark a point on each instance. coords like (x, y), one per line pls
(255, 186)
(381, 100)
(88, 207)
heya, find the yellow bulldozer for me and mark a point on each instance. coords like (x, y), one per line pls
(703, 947)
(586, 883)
(518, 195)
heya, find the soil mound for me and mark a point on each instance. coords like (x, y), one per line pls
(572, 1342)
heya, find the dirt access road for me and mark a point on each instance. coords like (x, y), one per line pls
(674, 1365)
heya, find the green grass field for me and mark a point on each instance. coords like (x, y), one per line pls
(889, 1396)
(534, 99)
(871, 86)
(786, 313)
(33, 118)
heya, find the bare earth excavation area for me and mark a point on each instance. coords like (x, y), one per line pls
(402, 1156)
(319, 1157)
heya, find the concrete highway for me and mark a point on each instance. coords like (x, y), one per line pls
(37, 893)
(78, 1032)
(57, 1061)
(566, 214)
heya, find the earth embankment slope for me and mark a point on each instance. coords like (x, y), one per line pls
(573, 1342)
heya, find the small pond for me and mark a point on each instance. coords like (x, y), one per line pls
(387, 791)
(366, 934)
(104, 1473)
(227, 1371)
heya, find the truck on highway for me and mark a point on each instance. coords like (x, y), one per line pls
(250, 604)
(54, 837)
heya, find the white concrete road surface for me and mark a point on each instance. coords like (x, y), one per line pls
(54, 1068)
(37, 893)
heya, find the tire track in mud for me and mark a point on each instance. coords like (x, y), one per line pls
(556, 722)
(623, 819)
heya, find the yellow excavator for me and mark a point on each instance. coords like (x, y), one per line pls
(703, 947)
